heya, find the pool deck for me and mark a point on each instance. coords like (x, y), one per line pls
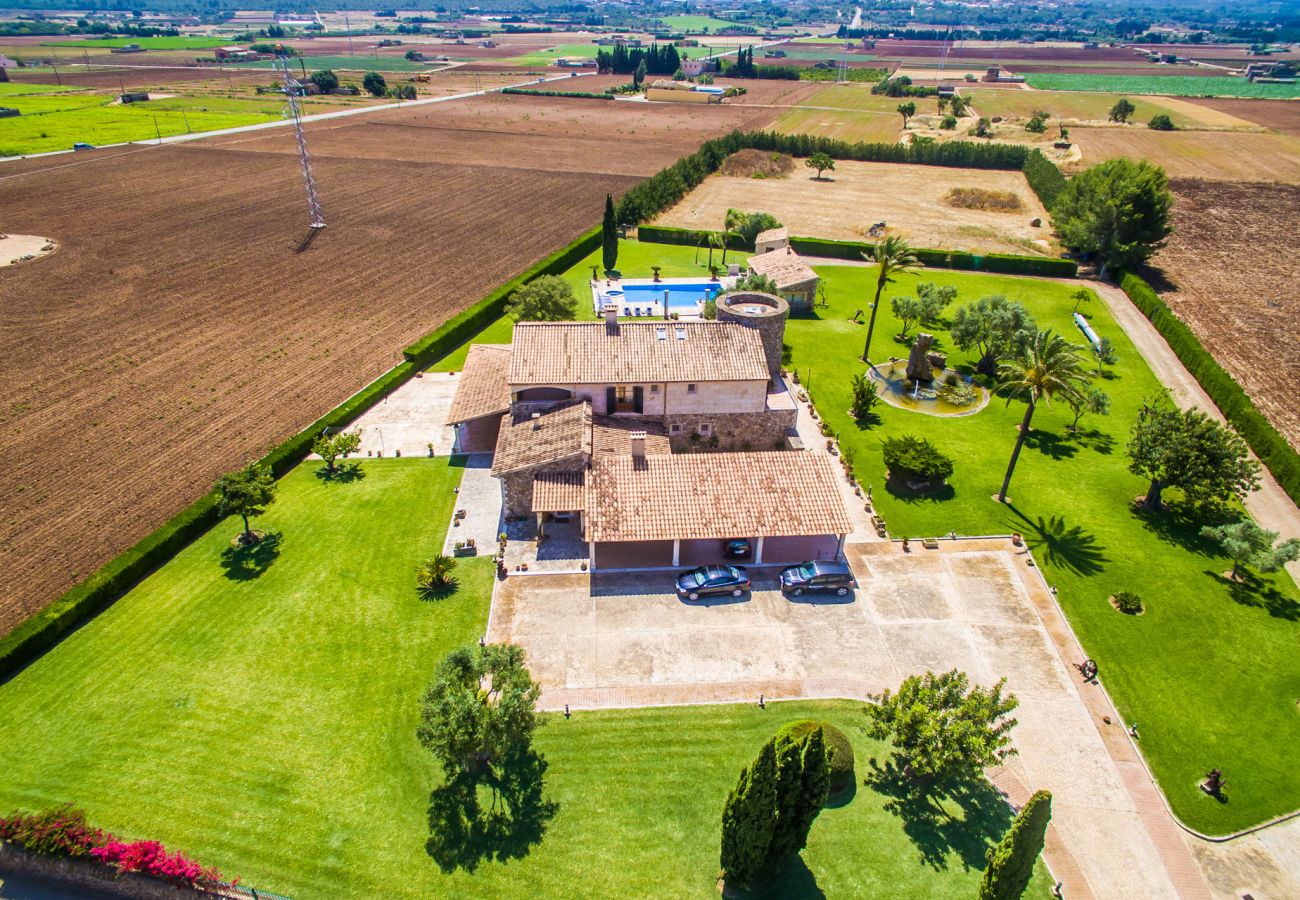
(645, 305)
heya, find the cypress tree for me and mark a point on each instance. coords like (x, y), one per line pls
(749, 818)
(609, 236)
(803, 782)
(1011, 861)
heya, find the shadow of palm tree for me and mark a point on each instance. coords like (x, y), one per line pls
(245, 562)
(1061, 544)
(464, 832)
(439, 591)
(343, 473)
(961, 818)
(1096, 440)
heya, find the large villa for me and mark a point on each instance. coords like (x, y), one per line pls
(605, 429)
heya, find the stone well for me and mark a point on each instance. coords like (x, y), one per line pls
(766, 313)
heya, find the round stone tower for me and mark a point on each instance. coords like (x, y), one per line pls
(766, 314)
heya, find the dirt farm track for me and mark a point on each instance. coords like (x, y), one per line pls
(177, 333)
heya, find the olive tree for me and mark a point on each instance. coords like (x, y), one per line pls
(246, 493)
(546, 299)
(1187, 449)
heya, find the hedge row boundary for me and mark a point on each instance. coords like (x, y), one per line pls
(38, 633)
(582, 95)
(1000, 263)
(1268, 444)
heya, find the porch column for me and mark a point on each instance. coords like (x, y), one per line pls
(677, 551)
(758, 552)
(839, 549)
(591, 554)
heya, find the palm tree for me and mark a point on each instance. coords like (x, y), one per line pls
(730, 225)
(715, 242)
(1049, 366)
(434, 575)
(894, 256)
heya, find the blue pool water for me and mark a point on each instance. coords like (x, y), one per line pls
(682, 298)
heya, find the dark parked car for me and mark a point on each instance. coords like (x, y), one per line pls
(737, 549)
(817, 575)
(707, 580)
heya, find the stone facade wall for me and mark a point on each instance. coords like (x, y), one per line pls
(769, 324)
(78, 873)
(734, 431)
(518, 486)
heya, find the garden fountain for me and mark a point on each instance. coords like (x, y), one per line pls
(923, 384)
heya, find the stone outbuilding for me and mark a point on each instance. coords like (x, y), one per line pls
(795, 280)
(772, 239)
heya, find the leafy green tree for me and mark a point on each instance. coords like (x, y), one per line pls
(749, 819)
(1011, 861)
(943, 730)
(545, 299)
(892, 256)
(479, 712)
(959, 105)
(1116, 212)
(948, 122)
(1080, 296)
(934, 300)
(375, 84)
(331, 447)
(1037, 123)
(821, 162)
(747, 226)
(908, 312)
(638, 74)
(1093, 401)
(906, 110)
(325, 79)
(1105, 353)
(865, 395)
(1249, 545)
(609, 236)
(755, 282)
(995, 327)
(1122, 110)
(1161, 122)
(247, 493)
(1049, 366)
(908, 456)
(1187, 449)
(982, 128)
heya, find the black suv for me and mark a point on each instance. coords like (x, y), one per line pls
(706, 580)
(817, 575)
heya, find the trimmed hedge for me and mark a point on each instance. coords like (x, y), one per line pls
(584, 95)
(120, 574)
(837, 745)
(1003, 263)
(1044, 178)
(1271, 447)
(457, 330)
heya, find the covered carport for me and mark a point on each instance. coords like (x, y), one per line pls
(482, 398)
(680, 509)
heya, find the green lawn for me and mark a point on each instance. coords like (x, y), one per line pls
(1210, 674)
(263, 719)
(1169, 85)
(695, 24)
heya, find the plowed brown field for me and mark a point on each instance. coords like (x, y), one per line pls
(177, 333)
(1231, 277)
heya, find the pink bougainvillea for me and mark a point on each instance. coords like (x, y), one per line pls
(152, 858)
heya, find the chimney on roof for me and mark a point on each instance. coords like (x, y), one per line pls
(537, 421)
(611, 318)
(637, 440)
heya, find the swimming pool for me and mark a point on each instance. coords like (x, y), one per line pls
(645, 298)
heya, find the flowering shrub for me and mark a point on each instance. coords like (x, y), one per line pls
(151, 858)
(61, 831)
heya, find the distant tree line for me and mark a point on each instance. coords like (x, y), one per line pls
(659, 60)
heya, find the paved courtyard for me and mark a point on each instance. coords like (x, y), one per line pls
(626, 640)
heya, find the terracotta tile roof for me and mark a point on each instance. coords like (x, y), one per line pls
(612, 435)
(555, 435)
(559, 492)
(772, 234)
(482, 389)
(588, 353)
(785, 267)
(713, 495)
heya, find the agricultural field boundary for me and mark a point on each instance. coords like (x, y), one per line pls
(1273, 450)
(101, 589)
(1003, 263)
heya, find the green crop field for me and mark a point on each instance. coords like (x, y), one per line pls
(1170, 86)
(55, 122)
(346, 63)
(842, 124)
(18, 89)
(148, 43)
(695, 24)
(1083, 106)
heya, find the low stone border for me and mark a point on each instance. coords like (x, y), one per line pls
(82, 873)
